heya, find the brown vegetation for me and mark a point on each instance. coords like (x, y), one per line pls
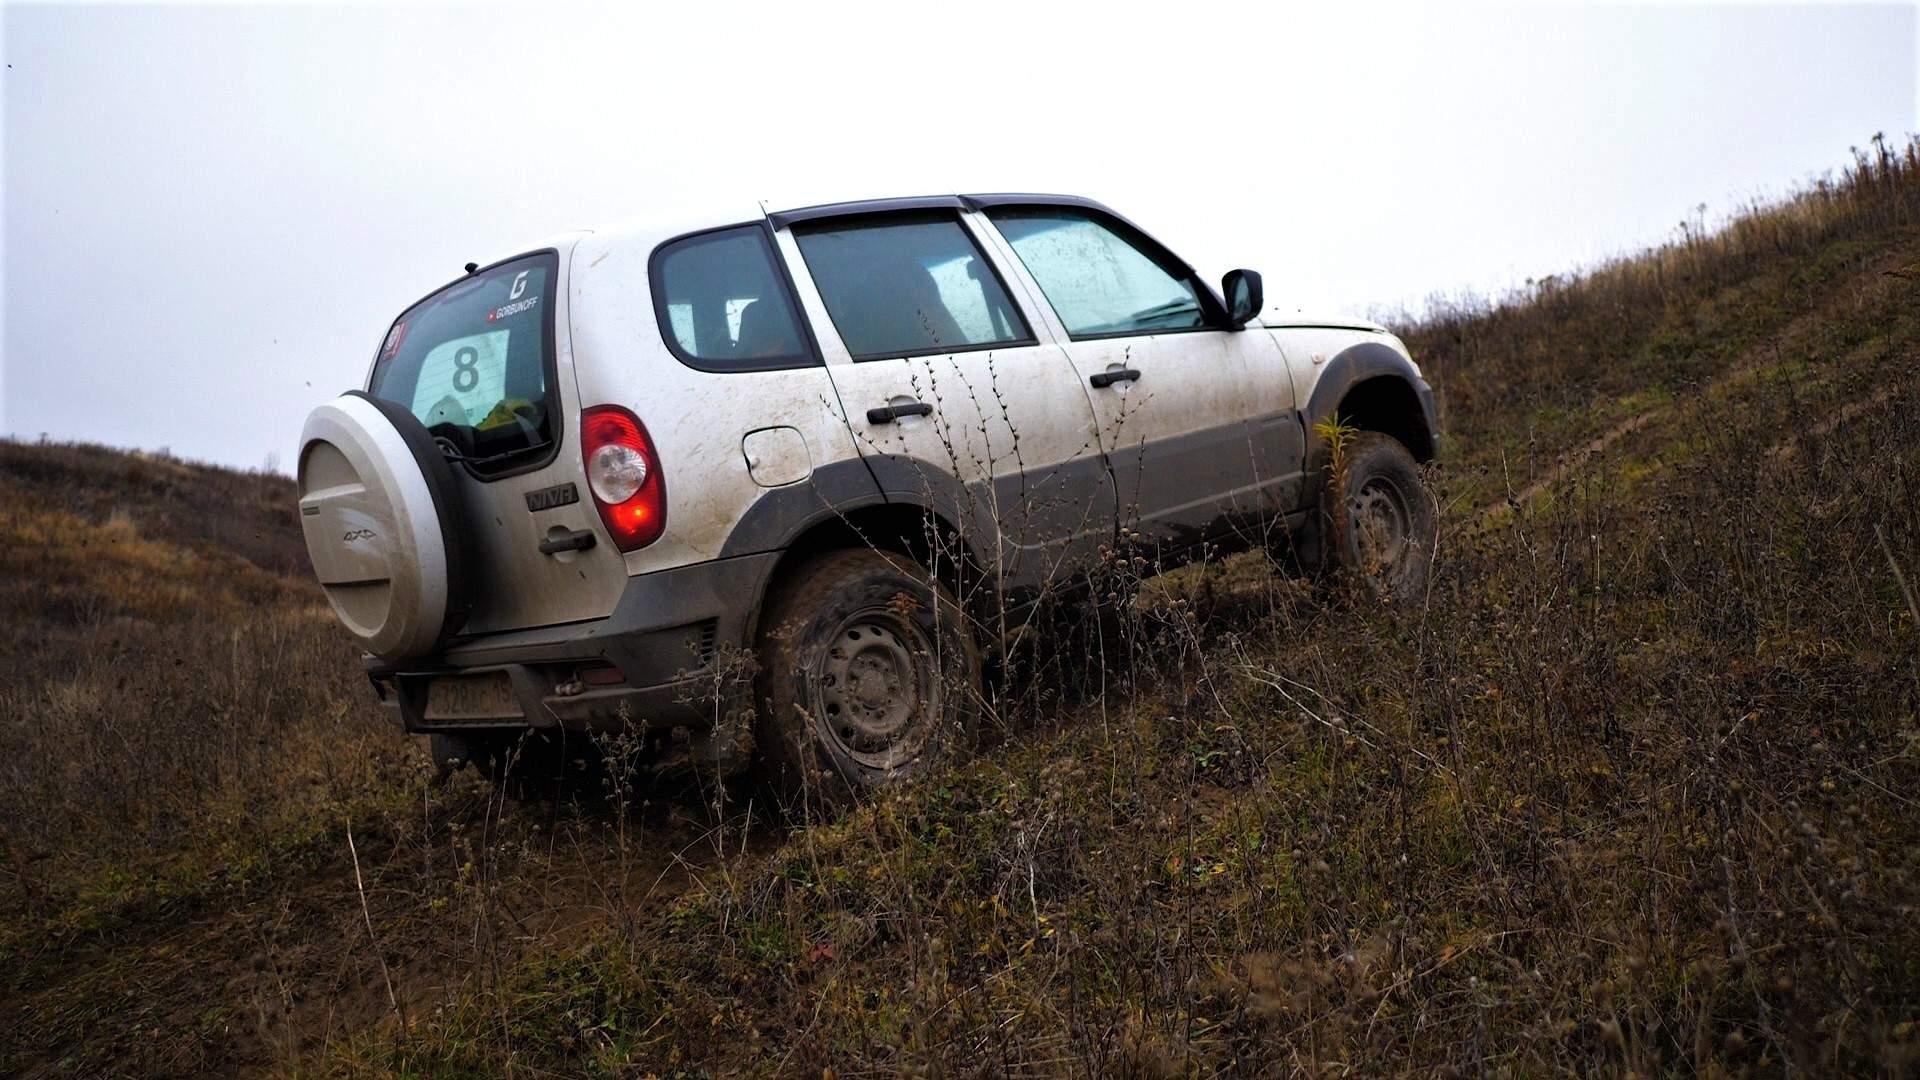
(1633, 788)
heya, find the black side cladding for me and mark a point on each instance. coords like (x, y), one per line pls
(445, 489)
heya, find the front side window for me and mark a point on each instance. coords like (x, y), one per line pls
(908, 286)
(473, 362)
(1100, 282)
(723, 305)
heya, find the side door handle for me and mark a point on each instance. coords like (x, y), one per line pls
(887, 414)
(1103, 379)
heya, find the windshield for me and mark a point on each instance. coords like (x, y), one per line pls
(472, 361)
(1102, 278)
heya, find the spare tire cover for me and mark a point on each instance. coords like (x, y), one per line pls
(378, 507)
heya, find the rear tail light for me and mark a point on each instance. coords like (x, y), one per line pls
(623, 472)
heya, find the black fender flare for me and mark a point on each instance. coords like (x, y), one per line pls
(908, 481)
(1349, 368)
(784, 514)
(781, 516)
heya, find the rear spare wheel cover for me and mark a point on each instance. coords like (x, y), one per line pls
(376, 507)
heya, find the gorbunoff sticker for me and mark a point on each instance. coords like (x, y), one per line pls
(511, 309)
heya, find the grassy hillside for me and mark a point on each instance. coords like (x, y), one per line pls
(1634, 787)
(179, 733)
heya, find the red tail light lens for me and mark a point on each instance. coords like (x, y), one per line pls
(624, 475)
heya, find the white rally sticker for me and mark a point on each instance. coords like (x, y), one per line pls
(512, 309)
(462, 380)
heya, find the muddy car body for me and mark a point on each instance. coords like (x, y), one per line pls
(577, 476)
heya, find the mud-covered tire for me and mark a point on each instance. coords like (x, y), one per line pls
(868, 677)
(1377, 518)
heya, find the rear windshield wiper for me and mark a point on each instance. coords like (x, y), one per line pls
(453, 453)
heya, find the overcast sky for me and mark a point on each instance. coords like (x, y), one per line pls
(211, 214)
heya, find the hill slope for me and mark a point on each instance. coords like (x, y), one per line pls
(1633, 788)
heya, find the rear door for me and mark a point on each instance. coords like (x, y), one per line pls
(1197, 419)
(481, 365)
(953, 397)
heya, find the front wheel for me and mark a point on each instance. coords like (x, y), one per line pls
(1380, 520)
(867, 677)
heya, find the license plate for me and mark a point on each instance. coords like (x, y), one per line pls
(487, 696)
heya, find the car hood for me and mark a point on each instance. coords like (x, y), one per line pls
(1276, 317)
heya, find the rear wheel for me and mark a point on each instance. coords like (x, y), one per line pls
(867, 677)
(1379, 519)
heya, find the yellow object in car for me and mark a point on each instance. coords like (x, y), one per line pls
(509, 411)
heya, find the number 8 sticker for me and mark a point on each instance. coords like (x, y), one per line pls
(466, 371)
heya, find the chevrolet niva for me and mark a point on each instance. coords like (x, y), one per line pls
(835, 439)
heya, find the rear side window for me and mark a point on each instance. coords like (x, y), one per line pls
(1101, 281)
(723, 305)
(474, 363)
(908, 286)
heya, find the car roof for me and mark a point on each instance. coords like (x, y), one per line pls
(656, 229)
(783, 218)
(717, 217)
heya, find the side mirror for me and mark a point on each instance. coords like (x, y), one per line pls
(1245, 299)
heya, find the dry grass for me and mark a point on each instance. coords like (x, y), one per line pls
(178, 725)
(164, 680)
(1632, 789)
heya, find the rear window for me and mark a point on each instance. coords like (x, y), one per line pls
(474, 363)
(723, 305)
(908, 286)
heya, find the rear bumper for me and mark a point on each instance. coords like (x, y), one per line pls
(669, 638)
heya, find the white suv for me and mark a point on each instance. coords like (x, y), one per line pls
(848, 439)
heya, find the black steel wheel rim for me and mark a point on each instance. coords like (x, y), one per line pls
(879, 688)
(1382, 522)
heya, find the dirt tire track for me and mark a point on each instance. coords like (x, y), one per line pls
(1788, 448)
(1578, 457)
(1861, 288)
